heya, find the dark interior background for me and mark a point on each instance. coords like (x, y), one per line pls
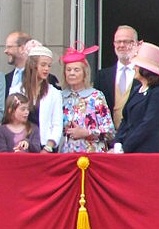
(91, 32)
(143, 15)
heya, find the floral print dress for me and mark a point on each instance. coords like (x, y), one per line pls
(88, 108)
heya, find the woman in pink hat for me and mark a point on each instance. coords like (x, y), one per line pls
(139, 130)
(87, 121)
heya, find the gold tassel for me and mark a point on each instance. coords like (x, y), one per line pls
(83, 220)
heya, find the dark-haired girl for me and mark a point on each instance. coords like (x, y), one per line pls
(17, 134)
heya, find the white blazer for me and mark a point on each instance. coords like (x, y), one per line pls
(50, 114)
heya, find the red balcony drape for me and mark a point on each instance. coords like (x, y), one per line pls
(43, 191)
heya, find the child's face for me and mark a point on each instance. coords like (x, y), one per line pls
(21, 113)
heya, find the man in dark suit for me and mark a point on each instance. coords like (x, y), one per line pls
(108, 79)
(15, 50)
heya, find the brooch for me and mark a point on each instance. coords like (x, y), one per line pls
(145, 93)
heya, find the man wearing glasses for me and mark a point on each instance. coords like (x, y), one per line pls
(15, 44)
(117, 81)
(15, 50)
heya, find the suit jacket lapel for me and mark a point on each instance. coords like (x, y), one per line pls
(8, 78)
(137, 99)
(112, 77)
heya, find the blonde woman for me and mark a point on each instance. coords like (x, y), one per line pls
(87, 121)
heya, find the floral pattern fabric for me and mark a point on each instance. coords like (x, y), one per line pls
(88, 108)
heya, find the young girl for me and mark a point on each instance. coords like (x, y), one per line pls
(17, 134)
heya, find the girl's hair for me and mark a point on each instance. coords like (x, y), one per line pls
(87, 75)
(12, 102)
(152, 78)
(30, 81)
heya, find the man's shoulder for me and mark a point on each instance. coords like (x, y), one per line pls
(108, 69)
(107, 73)
(54, 81)
(9, 73)
(114, 66)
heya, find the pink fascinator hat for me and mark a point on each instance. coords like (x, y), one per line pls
(77, 55)
(147, 57)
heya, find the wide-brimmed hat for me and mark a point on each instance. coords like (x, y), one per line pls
(77, 55)
(40, 51)
(147, 57)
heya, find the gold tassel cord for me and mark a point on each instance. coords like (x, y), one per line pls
(83, 220)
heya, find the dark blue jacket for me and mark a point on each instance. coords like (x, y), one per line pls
(139, 129)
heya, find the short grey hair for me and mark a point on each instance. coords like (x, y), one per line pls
(128, 27)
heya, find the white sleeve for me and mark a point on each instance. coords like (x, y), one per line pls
(57, 118)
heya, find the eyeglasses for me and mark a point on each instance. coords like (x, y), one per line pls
(11, 46)
(125, 42)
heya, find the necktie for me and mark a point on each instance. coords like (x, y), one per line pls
(122, 80)
(17, 77)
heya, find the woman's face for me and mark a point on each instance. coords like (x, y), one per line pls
(137, 74)
(44, 67)
(74, 73)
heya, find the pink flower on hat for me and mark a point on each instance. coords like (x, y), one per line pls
(31, 44)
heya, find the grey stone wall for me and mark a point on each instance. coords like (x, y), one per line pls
(45, 20)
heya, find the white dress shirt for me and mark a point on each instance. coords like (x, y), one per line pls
(17, 76)
(130, 72)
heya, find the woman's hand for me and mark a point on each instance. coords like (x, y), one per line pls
(22, 146)
(77, 132)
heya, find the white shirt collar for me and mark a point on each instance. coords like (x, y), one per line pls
(19, 69)
(120, 66)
